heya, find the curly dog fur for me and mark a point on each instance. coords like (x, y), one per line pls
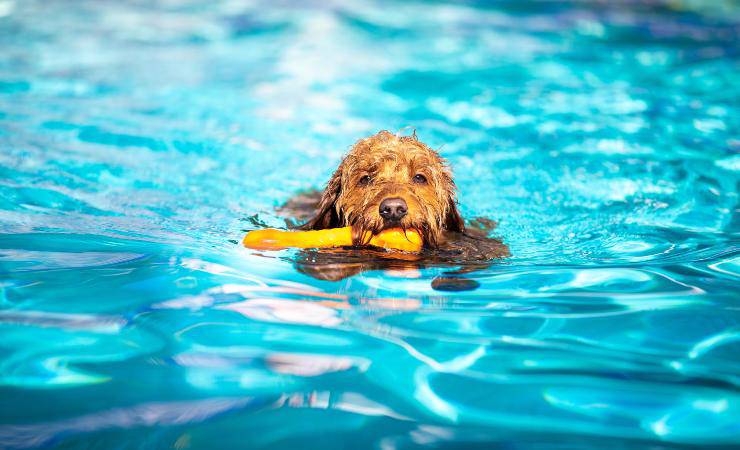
(387, 166)
(402, 168)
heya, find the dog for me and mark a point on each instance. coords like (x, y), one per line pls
(391, 181)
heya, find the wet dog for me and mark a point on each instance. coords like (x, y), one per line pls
(391, 181)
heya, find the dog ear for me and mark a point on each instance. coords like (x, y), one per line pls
(327, 215)
(453, 221)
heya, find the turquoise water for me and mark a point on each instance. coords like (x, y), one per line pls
(138, 143)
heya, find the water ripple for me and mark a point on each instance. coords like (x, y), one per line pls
(139, 142)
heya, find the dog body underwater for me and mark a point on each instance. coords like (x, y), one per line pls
(390, 181)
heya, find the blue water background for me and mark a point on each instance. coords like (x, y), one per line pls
(138, 142)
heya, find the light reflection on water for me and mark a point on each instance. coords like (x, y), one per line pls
(139, 143)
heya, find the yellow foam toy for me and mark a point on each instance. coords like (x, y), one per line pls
(271, 239)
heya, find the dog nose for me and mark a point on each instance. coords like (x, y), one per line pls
(393, 209)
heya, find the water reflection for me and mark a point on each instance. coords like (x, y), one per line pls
(139, 141)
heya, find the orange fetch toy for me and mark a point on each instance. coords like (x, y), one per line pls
(271, 239)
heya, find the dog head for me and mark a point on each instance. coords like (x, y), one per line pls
(387, 181)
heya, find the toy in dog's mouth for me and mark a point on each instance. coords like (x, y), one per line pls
(393, 210)
(406, 240)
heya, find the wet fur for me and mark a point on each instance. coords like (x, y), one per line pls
(391, 162)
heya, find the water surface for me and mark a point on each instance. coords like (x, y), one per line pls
(138, 142)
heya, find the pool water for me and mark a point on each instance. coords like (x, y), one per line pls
(139, 142)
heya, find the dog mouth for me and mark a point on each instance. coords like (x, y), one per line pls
(393, 212)
(392, 223)
(362, 230)
(376, 225)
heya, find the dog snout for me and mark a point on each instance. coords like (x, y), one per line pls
(393, 209)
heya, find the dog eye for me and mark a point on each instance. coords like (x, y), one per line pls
(419, 178)
(364, 180)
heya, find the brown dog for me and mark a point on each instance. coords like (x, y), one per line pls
(388, 181)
